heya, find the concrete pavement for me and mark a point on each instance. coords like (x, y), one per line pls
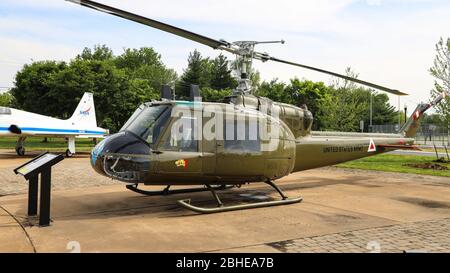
(109, 218)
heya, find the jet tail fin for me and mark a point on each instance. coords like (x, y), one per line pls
(412, 124)
(85, 112)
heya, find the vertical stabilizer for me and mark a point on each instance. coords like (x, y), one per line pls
(413, 123)
(85, 113)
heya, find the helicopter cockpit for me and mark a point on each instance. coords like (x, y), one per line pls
(148, 121)
(125, 155)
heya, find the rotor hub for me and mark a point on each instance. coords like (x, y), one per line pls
(245, 54)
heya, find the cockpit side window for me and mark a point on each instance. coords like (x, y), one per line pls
(5, 111)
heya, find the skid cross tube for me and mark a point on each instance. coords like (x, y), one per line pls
(221, 208)
(166, 191)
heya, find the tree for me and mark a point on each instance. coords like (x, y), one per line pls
(339, 83)
(441, 72)
(119, 84)
(298, 92)
(435, 119)
(349, 103)
(145, 70)
(275, 91)
(382, 111)
(105, 81)
(213, 95)
(345, 107)
(133, 59)
(221, 77)
(255, 78)
(33, 87)
(197, 72)
(116, 95)
(98, 53)
(341, 111)
(307, 93)
(6, 99)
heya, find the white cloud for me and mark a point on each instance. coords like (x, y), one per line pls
(282, 14)
(17, 52)
(36, 3)
(19, 26)
(373, 2)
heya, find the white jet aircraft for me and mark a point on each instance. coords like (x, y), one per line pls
(82, 124)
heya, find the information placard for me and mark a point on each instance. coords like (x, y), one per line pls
(35, 163)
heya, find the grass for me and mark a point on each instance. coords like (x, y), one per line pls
(395, 163)
(438, 150)
(53, 144)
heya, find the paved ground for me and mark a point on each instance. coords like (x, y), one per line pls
(343, 211)
(71, 173)
(424, 236)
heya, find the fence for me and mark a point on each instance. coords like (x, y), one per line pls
(427, 134)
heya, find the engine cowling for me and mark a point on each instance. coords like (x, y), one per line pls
(298, 119)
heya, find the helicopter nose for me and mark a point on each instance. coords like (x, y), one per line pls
(97, 156)
(122, 156)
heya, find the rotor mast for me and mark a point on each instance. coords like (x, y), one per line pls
(245, 54)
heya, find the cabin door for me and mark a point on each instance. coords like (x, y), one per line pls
(238, 152)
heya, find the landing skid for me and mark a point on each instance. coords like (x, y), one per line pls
(167, 190)
(221, 208)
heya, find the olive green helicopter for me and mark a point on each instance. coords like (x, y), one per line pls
(244, 139)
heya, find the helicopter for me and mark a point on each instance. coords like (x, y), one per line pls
(244, 139)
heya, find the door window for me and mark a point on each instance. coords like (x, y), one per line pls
(181, 136)
(242, 136)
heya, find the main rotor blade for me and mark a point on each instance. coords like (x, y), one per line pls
(376, 86)
(152, 23)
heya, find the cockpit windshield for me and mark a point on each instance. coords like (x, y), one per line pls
(148, 122)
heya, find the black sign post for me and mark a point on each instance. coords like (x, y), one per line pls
(42, 165)
(33, 196)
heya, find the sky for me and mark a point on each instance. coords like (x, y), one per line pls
(388, 42)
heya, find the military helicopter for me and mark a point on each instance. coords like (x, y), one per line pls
(242, 140)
